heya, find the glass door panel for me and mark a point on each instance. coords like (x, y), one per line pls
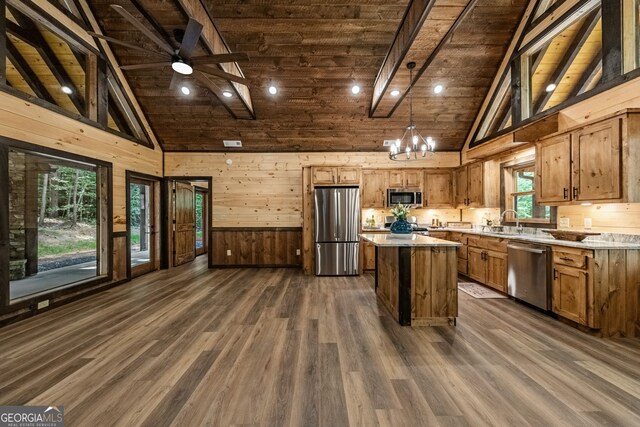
(141, 227)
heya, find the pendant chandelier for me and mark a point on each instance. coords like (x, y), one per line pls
(411, 143)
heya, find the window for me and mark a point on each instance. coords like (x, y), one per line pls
(519, 194)
(56, 235)
(563, 65)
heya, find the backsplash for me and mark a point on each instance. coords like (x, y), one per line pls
(423, 216)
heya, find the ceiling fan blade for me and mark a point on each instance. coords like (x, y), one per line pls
(201, 78)
(190, 38)
(143, 66)
(133, 21)
(224, 75)
(125, 44)
(220, 58)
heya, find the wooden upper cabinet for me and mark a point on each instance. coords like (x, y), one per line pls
(597, 162)
(469, 185)
(461, 184)
(413, 179)
(475, 191)
(406, 179)
(553, 169)
(328, 175)
(438, 189)
(349, 176)
(374, 188)
(324, 175)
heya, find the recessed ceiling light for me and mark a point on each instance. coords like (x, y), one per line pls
(227, 94)
(438, 89)
(551, 87)
(185, 90)
(355, 89)
(395, 92)
(273, 90)
(66, 89)
(181, 67)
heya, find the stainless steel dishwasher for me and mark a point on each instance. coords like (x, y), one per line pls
(529, 277)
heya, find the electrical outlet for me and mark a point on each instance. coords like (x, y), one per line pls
(564, 222)
(228, 252)
(297, 251)
(43, 304)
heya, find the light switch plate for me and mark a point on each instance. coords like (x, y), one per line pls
(228, 252)
(297, 251)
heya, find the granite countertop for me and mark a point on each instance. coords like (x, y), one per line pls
(585, 244)
(389, 240)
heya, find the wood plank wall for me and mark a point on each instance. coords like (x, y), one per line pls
(265, 190)
(263, 247)
(31, 123)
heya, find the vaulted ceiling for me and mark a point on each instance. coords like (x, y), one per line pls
(314, 52)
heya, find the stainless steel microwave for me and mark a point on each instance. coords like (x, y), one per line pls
(404, 196)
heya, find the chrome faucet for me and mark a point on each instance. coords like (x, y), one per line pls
(518, 226)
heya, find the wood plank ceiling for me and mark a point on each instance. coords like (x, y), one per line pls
(314, 53)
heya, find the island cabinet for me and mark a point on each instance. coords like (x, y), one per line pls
(438, 189)
(330, 175)
(469, 186)
(416, 279)
(487, 261)
(596, 162)
(406, 178)
(374, 188)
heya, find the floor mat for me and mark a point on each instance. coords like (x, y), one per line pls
(479, 291)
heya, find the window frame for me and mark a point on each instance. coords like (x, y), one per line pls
(507, 194)
(105, 231)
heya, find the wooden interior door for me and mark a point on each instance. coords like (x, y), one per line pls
(597, 163)
(553, 166)
(184, 240)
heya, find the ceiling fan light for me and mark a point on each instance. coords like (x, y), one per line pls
(181, 67)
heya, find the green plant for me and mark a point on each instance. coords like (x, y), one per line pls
(400, 211)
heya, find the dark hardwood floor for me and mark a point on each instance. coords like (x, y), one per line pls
(193, 346)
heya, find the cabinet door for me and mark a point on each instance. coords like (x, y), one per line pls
(348, 176)
(497, 270)
(413, 179)
(461, 186)
(374, 189)
(324, 175)
(396, 179)
(369, 256)
(475, 189)
(553, 166)
(438, 189)
(597, 163)
(477, 268)
(570, 293)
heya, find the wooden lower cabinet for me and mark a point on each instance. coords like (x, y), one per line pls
(476, 268)
(570, 293)
(369, 258)
(496, 270)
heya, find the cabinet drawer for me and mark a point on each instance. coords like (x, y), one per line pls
(571, 259)
(494, 244)
(475, 242)
(438, 234)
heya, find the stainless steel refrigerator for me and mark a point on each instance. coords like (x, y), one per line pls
(337, 230)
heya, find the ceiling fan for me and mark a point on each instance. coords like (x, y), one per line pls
(181, 59)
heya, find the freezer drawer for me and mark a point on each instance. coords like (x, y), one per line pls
(337, 259)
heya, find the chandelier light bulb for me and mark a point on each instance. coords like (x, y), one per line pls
(424, 148)
(398, 142)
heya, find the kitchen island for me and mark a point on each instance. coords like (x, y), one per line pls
(417, 278)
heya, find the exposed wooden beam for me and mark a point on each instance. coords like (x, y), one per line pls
(48, 55)
(3, 44)
(611, 39)
(570, 55)
(27, 73)
(587, 78)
